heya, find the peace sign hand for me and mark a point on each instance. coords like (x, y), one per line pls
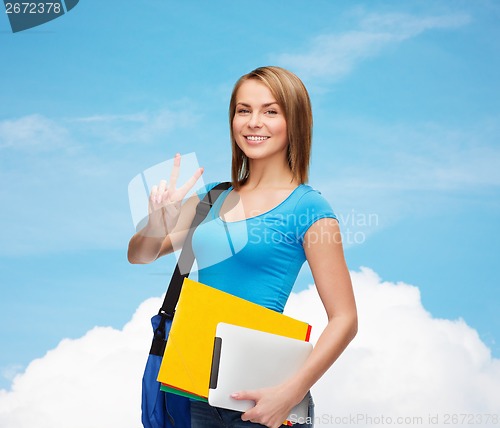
(165, 200)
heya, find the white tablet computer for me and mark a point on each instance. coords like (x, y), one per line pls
(247, 359)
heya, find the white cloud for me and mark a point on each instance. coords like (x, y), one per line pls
(137, 117)
(11, 371)
(75, 173)
(332, 56)
(33, 133)
(93, 381)
(141, 127)
(403, 363)
(38, 133)
(423, 156)
(392, 170)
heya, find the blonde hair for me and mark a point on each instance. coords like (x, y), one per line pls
(291, 95)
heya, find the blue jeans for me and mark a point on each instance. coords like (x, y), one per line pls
(203, 415)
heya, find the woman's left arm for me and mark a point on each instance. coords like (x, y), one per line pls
(325, 255)
(324, 252)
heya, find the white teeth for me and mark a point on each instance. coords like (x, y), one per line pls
(255, 138)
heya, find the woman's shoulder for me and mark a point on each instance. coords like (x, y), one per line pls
(310, 206)
(308, 195)
(312, 201)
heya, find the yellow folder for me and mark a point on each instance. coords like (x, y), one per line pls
(187, 360)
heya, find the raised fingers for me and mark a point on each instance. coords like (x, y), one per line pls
(187, 186)
(162, 188)
(175, 173)
(154, 193)
(167, 192)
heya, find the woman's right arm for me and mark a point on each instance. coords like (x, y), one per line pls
(168, 220)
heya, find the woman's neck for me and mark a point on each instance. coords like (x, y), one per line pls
(264, 174)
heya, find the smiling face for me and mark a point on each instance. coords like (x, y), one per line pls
(259, 125)
(288, 123)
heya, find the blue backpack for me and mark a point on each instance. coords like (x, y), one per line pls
(163, 409)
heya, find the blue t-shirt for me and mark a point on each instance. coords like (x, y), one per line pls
(258, 259)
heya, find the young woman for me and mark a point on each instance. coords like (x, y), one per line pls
(273, 221)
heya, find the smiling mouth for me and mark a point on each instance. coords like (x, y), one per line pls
(255, 138)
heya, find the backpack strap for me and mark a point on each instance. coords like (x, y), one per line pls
(186, 259)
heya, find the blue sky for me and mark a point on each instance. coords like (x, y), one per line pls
(406, 103)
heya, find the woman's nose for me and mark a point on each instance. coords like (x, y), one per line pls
(254, 121)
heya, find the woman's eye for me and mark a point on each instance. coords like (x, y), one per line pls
(271, 112)
(243, 111)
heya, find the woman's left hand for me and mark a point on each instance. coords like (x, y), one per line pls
(272, 405)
